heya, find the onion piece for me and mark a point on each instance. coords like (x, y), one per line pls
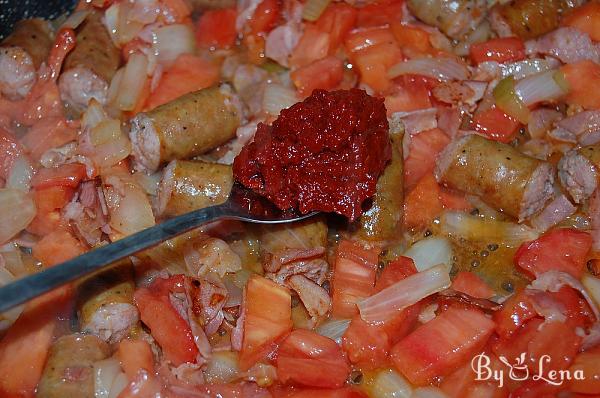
(133, 81)
(334, 329)
(222, 367)
(18, 210)
(592, 286)
(111, 21)
(485, 229)
(559, 209)
(313, 9)
(110, 143)
(171, 41)
(277, 97)
(388, 383)
(113, 89)
(428, 392)
(508, 100)
(393, 299)
(119, 384)
(521, 69)
(546, 86)
(93, 115)
(429, 252)
(20, 175)
(438, 68)
(105, 373)
(75, 19)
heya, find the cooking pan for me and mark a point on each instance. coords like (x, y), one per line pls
(12, 11)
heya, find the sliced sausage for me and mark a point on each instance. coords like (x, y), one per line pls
(186, 127)
(106, 307)
(21, 54)
(69, 369)
(382, 221)
(90, 67)
(578, 172)
(192, 185)
(453, 17)
(502, 176)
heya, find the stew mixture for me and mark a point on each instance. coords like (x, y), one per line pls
(458, 141)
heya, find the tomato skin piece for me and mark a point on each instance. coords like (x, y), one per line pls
(326, 73)
(443, 344)
(423, 150)
(505, 49)
(585, 18)
(66, 175)
(496, 125)
(471, 284)
(396, 270)
(515, 312)
(265, 16)
(337, 20)
(169, 329)
(583, 77)
(309, 359)
(354, 277)
(587, 362)
(216, 28)
(562, 249)
(379, 13)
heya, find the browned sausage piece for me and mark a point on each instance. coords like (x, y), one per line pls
(192, 185)
(21, 54)
(69, 369)
(90, 67)
(578, 172)
(502, 176)
(186, 127)
(382, 221)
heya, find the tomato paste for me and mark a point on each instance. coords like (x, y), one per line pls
(322, 154)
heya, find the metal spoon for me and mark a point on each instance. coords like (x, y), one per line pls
(242, 204)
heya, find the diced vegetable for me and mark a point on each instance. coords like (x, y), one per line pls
(410, 93)
(216, 28)
(588, 363)
(495, 124)
(387, 383)
(265, 16)
(67, 175)
(135, 81)
(333, 328)
(562, 249)
(324, 73)
(422, 204)
(382, 306)
(354, 277)
(278, 97)
(57, 247)
(412, 40)
(505, 49)
(168, 328)
(444, 343)
(585, 18)
(360, 39)
(374, 61)
(422, 151)
(18, 209)
(222, 367)
(515, 312)
(508, 101)
(135, 355)
(429, 252)
(267, 318)
(367, 345)
(471, 284)
(378, 13)
(308, 359)
(337, 20)
(313, 9)
(443, 69)
(312, 46)
(105, 373)
(582, 78)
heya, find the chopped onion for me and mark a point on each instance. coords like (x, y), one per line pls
(388, 383)
(546, 86)
(592, 286)
(428, 392)
(222, 367)
(105, 373)
(393, 299)
(127, 28)
(528, 67)
(113, 89)
(429, 252)
(439, 68)
(110, 144)
(480, 34)
(313, 9)
(118, 385)
(20, 174)
(18, 210)
(93, 115)
(133, 81)
(333, 328)
(171, 41)
(559, 209)
(129, 208)
(14, 259)
(75, 19)
(7, 318)
(277, 97)
(111, 20)
(485, 229)
(508, 100)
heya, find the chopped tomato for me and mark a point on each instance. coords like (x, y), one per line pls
(179, 10)
(367, 345)
(585, 18)
(46, 223)
(144, 384)
(354, 277)
(442, 345)
(562, 249)
(216, 28)
(423, 150)
(255, 46)
(496, 125)
(454, 200)
(408, 94)
(422, 204)
(294, 392)
(413, 41)
(360, 39)
(67, 175)
(10, 150)
(463, 383)
(135, 355)
(383, 12)
(515, 312)
(47, 134)
(337, 20)
(503, 49)
(309, 359)
(326, 73)
(471, 284)
(57, 247)
(170, 330)
(52, 197)
(373, 63)
(588, 363)
(312, 46)
(583, 77)
(395, 271)
(188, 73)
(24, 347)
(537, 389)
(265, 16)
(267, 318)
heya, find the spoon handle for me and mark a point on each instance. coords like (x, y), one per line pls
(31, 286)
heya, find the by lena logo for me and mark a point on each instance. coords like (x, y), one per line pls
(519, 371)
